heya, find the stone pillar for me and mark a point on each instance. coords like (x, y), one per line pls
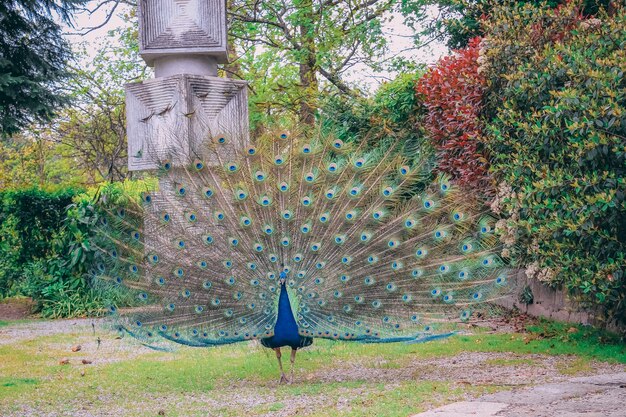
(173, 116)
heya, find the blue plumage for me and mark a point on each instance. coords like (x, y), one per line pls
(286, 329)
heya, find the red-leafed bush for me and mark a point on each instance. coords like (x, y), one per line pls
(452, 93)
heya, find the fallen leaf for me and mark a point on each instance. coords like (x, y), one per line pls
(86, 362)
(64, 361)
(76, 348)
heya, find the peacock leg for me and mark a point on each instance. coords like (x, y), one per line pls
(283, 378)
(293, 361)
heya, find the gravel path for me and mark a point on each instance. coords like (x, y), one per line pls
(595, 396)
(32, 330)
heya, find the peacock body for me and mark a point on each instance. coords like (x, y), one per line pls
(295, 238)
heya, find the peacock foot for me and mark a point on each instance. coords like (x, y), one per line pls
(283, 380)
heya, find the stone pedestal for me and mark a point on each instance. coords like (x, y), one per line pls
(173, 118)
(182, 27)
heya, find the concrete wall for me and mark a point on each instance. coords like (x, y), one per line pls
(551, 303)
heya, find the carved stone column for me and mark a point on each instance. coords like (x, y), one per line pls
(172, 116)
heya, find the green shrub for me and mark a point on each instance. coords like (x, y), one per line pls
(46, 248)
(29, 221)
(393, 111)
(557, 142)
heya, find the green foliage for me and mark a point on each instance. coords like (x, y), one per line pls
(557, 142)
(586, 338)
(526, 297)
(58, 291)
(33, 58)
(46, 249)
(460, 20)
(394, 111)
(29, 220)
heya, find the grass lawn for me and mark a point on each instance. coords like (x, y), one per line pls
(332, 379)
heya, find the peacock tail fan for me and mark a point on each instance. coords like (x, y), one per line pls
(371, 253)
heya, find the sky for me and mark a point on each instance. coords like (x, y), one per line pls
(398, 37)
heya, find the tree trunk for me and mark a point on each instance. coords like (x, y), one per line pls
(232, 69)
(308, 65)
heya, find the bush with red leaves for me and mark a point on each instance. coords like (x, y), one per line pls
(452, 93)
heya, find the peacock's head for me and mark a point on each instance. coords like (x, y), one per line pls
(283, 275)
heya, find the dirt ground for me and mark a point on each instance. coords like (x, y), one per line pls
(16, 309)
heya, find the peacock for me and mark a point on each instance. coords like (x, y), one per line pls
(294, 237)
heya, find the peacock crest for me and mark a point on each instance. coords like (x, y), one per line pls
(369, 247)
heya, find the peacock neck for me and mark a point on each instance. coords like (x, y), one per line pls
(285, 321)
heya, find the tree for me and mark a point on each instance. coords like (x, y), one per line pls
(458, 21)
(31, 160)
(322, 39)
(93, 130)
(33, 59)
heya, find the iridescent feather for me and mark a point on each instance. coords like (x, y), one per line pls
(370, 253)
